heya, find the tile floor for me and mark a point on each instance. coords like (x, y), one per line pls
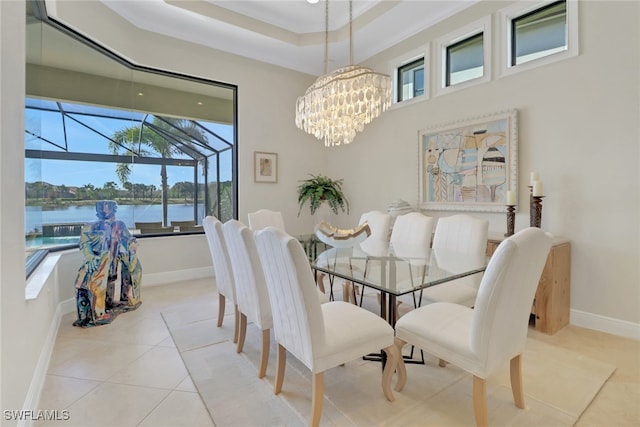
(129, 373)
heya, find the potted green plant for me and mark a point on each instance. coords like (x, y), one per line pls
(319, 189)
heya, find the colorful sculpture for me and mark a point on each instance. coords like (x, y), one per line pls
(106, 246)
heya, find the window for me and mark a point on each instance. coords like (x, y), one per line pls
(539, 33)
(162, 145)
(464, 57)
(157, 168)
(410, 80)
(465, 60)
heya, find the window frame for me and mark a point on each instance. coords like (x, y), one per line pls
(412, 66)
(397, 63)
(464, 33)
(38, 255)
(448, 51)
(518, 10)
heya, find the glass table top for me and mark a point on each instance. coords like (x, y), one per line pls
(394, 269)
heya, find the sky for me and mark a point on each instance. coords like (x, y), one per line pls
(81, 139)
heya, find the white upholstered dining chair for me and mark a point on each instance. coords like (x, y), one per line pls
(411, 234)
(461, 233)
(413, 228)
(482, 339)
(313, 333)
(263, 218)
(222, 268)
(380, 225)
(251, 290)
(376, 244)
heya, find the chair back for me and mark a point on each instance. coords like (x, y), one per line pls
(297, 316)
(251, 289)
(413, 229)
(221, 264)
(379, 224)
(462, 233)
(264, 218)
(501, 313)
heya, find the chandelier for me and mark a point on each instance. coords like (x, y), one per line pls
(338, 105)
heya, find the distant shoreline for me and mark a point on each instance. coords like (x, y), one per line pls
(73, 202)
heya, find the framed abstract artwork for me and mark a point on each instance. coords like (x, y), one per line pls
(469, 165)
(265, 167)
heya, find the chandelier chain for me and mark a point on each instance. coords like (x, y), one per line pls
(350, 32)
(326, 37)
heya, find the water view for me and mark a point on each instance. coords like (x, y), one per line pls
(35, 216)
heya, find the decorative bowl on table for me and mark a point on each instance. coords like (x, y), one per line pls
(342, 238)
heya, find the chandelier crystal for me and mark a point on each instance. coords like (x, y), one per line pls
(339, 104)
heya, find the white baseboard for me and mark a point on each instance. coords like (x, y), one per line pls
(606, 324)
(67, 306)
(155, 279)
(32, 399)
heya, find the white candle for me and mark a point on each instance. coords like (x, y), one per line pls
(511, 198)
(533, 178)
(537, 188)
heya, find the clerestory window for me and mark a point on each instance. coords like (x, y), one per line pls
(411, 80)
(465, 60)
(539, 33)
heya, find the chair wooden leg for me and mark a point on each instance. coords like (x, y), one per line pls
(320, 281)
(281, 362)
(264, 355)
(317, 398)
(400, 367)
(393, 356)
(221, 303)
(347, 291)
(480, 401)
(242, 332)
(516, 381)
(236, 325)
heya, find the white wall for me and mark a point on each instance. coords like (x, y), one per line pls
(578, 127)
(19, 355)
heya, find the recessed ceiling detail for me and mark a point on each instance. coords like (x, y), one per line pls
(287, 33)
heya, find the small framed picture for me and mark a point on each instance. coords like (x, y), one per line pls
(265, 167)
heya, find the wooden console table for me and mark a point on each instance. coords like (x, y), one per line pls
(551, 304)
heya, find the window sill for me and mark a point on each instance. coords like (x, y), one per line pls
(408, 102)
(41, 275)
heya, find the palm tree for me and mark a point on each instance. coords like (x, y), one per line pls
(160, 137)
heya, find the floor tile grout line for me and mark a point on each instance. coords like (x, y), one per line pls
(166, 325)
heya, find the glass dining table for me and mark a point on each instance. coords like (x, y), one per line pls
(392, 269)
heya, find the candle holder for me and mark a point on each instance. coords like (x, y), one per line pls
(511, 220)
(536, 211)
(531, 210)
